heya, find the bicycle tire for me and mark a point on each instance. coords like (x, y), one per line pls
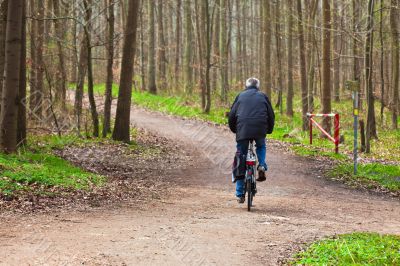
(249, 195)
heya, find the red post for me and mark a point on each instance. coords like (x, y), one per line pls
(336, 133)
(310, 125)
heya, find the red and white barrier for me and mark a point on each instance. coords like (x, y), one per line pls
(335, 139)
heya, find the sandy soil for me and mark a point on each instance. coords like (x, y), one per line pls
(200, 223)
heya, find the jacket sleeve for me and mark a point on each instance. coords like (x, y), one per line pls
(232, 115)
(271, 116)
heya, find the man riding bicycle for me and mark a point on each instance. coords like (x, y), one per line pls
(251, 117)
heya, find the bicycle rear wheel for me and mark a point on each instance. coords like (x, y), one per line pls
(249, 194)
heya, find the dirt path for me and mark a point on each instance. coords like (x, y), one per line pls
(201, 224)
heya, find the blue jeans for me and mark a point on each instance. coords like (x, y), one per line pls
(261, 149)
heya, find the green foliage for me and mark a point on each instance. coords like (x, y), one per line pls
(352, 249)
(41, 171)
(387, 176)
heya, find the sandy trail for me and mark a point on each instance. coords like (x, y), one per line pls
(201, 224)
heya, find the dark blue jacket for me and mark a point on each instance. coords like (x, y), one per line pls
(251, 115)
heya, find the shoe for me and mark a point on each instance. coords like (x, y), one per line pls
(261, 174)
(241, 199)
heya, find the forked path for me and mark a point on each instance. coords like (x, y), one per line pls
(201, 223)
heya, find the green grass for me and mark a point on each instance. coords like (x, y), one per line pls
(35, 169)
(352, 249)
(41, 172)
(387, 176)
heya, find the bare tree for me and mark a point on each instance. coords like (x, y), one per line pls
(9, 104)
(303, 68)
(178, 40)
(224, 51)
(152, 87)
(188, 48)
(161, 47)
(337, 51)
(289, 100)
(21, 98)
(326, 63)
(3, 29)
(371, 125)
(122, 119)
(279, 54)
(267, 47)
(394, 25)
(110, 61)
(87, 29)
(61, 80)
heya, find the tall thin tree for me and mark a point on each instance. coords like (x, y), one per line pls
(9, 104)
(224, 51)
(122, 119)
(188, 48)
(289, 99)
(326, 63)
(369, 44)
(303, 68)
(152, 87)
(87, 29)
(21, 98)
(395, 45)
(110, 61)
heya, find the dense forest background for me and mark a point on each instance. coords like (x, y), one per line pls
(304, 53)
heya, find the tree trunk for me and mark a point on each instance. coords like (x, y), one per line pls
(267, 48)
(200, 32)
(356, 49)
(75, 59)
(80, 84)
(303, 68)
(188, 48)
(21, 98)
(142, 51)
(239, 46)
(278, 55)
(9, 105)
(382, 76)
(152, 87)
(362, 135)
(110, 59)
(216, 47)
(337, 52)
(161, 47)
(178, 42)
(371, 125)
(87, 29)
(311, 54)
(61, 78)
(224, 52)
(38, 107)
(206, 18)
(394, 25)
(3, 28)
(326, 64)
(289, 100)
(122, 120)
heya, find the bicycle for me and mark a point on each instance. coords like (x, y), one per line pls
(250, 177)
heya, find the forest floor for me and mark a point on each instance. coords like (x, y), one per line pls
(198, 221)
